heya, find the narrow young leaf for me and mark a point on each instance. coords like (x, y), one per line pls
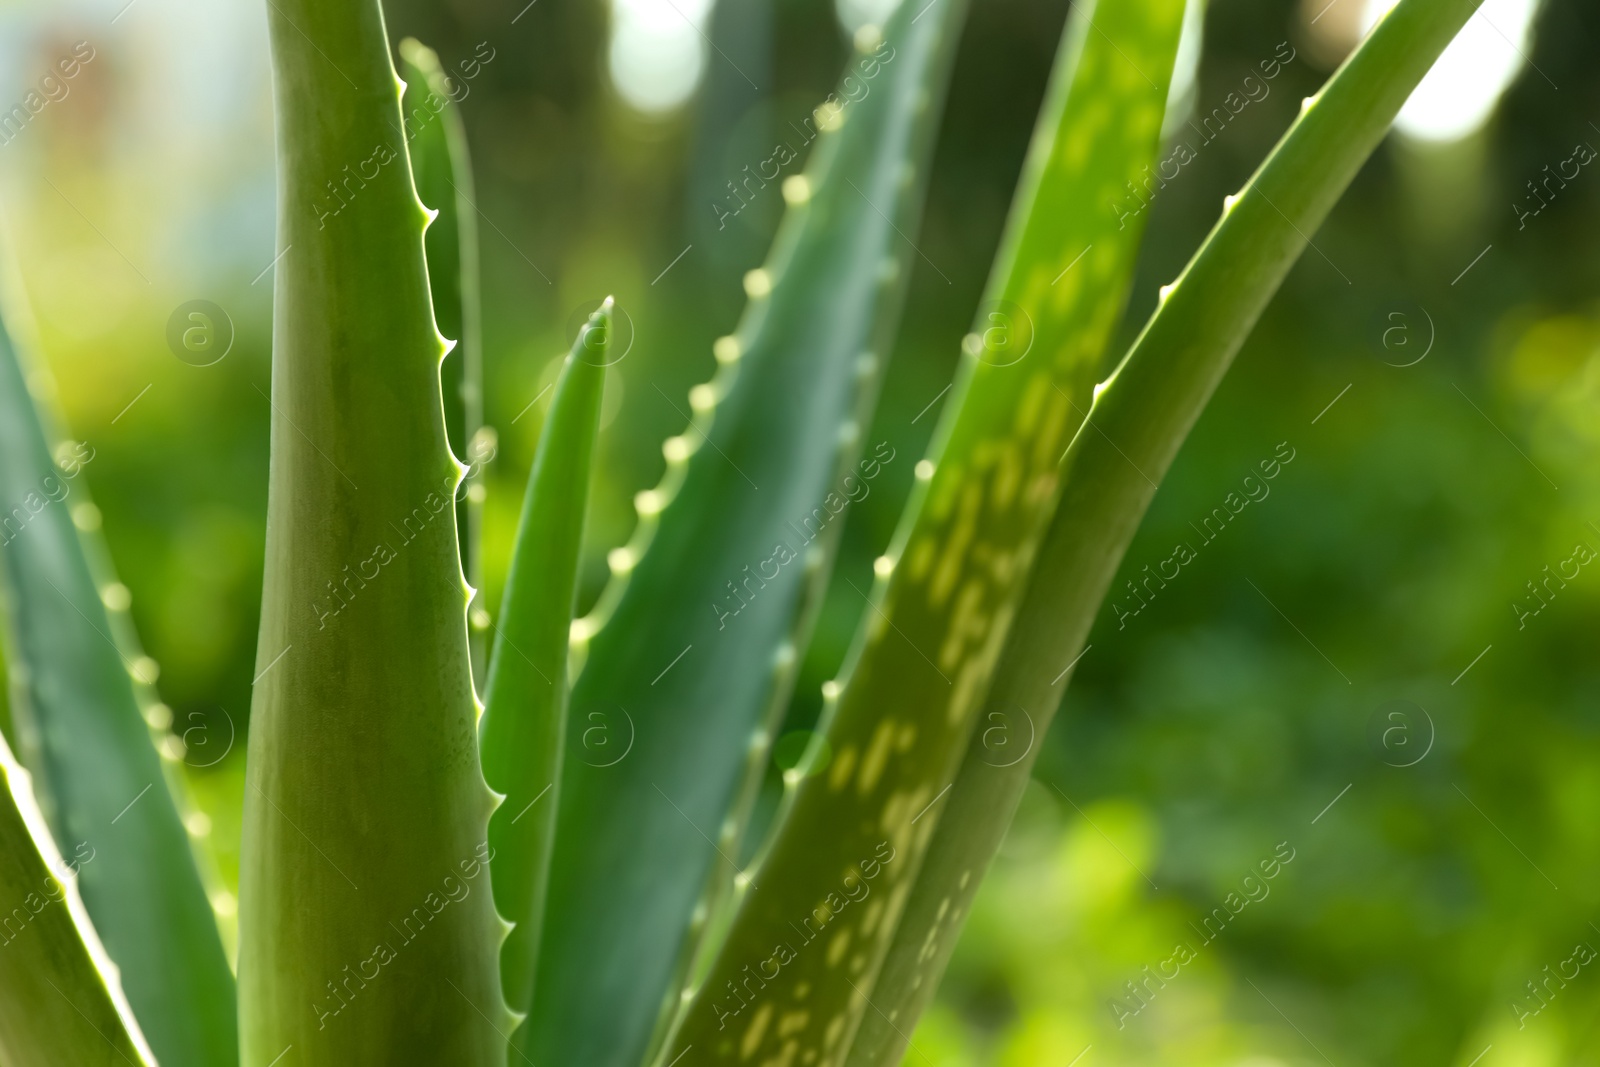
(102, 785)
(952, 581)
(367, 925)
(684, 684)
(524, 719)
(1134, 430)
(60, 1002)
(441, 167)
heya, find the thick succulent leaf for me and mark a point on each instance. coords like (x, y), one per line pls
(953, 578)
(733, 108)
(103, 787)
(442, 170)
(683, 684)
(367, 925)
(60, 1002)
(525, 705)
(1134, 430)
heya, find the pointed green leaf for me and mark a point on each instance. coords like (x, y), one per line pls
(60, 1002)
(525, 705)
(685, 681)
(101, 783)
(442, 169)
(1135, 429)
(897, 728)
(367, 926)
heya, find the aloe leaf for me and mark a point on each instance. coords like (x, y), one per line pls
(60, 1001)
(951, 582)
(367, 925)
(690, 652)
(76, 678)
(524, 718)
(1134, 430)
(441, 167)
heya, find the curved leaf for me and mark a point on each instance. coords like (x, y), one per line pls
(441, 167)
(795, 973)
(689, 673)
(367, 926)
(1134, 431)
(102, 785)
(524, 718)
(60, 1001)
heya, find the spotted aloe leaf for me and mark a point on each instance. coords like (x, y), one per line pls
(60, 1001)
(1137, 423)
(524, 719)
(690, 653)
(442, 169)
(899, 723)
(78, 683)
(367, 927)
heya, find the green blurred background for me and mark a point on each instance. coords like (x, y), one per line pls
(1343, 675)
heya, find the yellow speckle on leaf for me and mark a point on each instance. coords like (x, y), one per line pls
(758, 1028)
(876, 757)
(842, 766)
(870, 917)
(837, 947)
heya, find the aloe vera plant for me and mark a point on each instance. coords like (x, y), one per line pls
(81, 691)
(430, 880)
(690, 654)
